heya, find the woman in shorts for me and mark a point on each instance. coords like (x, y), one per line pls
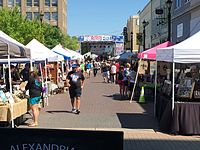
(35, 91)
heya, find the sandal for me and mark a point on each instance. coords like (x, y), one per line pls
(33, 125)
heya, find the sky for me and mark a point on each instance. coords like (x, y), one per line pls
(98, 17)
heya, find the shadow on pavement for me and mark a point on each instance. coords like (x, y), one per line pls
(117, 96)
(58, 111)
(137, 121)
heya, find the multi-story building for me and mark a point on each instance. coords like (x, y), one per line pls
(185, 20)
(53, 12)
(145, 27)
(132, 27)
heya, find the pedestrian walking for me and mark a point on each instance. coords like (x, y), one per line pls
(113, 71)
(95, 68)
(35, 91)
(76, 82)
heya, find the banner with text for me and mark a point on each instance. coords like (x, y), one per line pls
(101, 38)
(59, 139)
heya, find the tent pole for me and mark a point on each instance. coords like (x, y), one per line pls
(136, 78)
(46, 95)
(173, 82)
(155, 94)
(10, 83)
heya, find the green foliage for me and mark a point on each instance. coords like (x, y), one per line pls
(24, 30)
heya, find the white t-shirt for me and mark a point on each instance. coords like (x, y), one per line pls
(113, 69)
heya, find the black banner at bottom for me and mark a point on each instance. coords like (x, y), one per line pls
(59, 139)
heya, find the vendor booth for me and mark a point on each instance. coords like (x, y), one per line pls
(146, 70)
(11, 105)
(177, 102)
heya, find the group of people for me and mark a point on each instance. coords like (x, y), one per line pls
(120, 73)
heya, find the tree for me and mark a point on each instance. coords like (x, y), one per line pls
(24, 30)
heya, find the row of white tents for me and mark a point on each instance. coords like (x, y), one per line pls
(12, 51)
(37, 52)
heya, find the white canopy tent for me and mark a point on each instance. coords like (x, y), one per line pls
(188, 51)
(75, 55)
(12, 49)
(39, 52)
(58, 49)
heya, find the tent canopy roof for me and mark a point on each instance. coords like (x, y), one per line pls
(188, 51)
(10, 46)
(151, 53)
(39, 52)
(58, 49)
(127, 55)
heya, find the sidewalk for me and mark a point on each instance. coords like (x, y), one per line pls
(99, 111)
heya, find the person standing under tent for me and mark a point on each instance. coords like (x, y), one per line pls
(14, 77)
(76, 82)
(34, 86)
(24, 74)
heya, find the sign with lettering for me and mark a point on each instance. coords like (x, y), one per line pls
(59, 139)
(101, 38)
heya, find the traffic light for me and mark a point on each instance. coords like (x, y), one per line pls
(125, 34)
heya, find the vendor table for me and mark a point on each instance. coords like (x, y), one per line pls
(185, 119)
(19, 109)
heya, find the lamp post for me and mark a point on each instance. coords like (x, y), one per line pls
(169, 5)
(131, 42)
(144, 23)
(41, 17)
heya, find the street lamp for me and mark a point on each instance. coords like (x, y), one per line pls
(169, 5)
(41, 17)
(131, 42)
(144, 23)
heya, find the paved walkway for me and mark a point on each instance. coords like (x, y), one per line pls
(101, 111)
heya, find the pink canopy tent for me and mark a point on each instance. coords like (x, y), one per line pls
(151, 53)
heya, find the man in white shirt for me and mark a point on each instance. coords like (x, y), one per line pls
(113, 72)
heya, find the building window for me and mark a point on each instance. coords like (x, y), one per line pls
(179, 30)
(55, 16)
(47, 3)
(54, 3)
(178, 3)
(29, 15)
(47, 16)
(1, 3)
(29, 3)
(36, 3)
(36, 15)
(18, 3)
(10, 3)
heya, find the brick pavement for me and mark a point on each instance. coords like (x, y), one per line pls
(99, 111)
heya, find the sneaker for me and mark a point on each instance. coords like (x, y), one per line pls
(73, 110)
(77, 112)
